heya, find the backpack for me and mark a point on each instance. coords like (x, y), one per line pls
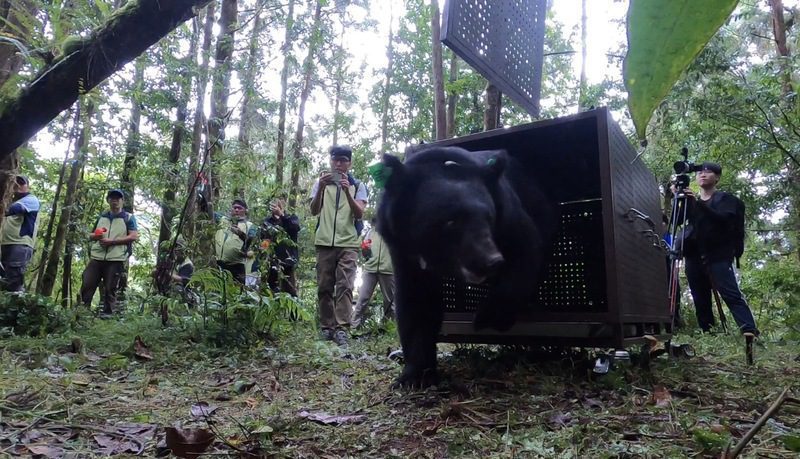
(126, 217)
(358, 223)
(738, 230)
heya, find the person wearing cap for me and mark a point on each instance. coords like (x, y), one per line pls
(233, 239)
(338, 200)
(112, 240)
(18, 236)
(709, 246)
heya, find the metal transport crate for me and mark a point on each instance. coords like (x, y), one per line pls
(606, 282)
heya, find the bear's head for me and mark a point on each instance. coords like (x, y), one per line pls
(439, 211)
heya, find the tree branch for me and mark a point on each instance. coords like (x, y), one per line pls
(127, 33)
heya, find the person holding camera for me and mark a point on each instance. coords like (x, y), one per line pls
(281, 229)
(709, 248)
(339, 200)
(232, 240)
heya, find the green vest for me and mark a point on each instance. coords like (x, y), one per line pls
(336, 222)
(12, 227)
(116, 228)
(228, 246)
(380, 261)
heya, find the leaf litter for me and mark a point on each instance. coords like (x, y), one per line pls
(304, 400)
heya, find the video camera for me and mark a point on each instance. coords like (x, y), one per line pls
(682, 170)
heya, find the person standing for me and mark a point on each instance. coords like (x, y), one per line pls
(282, 229)
(18, 236)
(709, 248)
(338, 200)
(233, 239)
(377, 270)
(112, 240)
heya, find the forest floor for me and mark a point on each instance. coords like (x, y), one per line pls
(92, 393)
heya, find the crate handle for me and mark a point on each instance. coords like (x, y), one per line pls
(633, 214)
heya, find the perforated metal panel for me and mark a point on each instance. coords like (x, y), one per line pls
(503, 40)
(574, 280)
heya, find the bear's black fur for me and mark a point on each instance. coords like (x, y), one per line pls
(471, 215)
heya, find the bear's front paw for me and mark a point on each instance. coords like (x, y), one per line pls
(415, 378)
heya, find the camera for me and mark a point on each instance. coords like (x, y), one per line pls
(336, 176)
(682, 170)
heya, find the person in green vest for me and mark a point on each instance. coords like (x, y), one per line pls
(338, 200)
(18, 236)
(377, 269)
(112, 240)
(233, 239)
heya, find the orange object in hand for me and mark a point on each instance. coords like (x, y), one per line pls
(265, 244)
(99, 231)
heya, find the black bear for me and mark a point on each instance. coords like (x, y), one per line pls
(472, 215)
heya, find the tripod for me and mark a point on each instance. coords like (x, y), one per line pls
(677, 230)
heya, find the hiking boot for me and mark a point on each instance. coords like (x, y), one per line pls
(340, 337)
(326, 334)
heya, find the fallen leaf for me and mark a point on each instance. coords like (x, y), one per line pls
(203, 409)
(661, 396)
(560, 419)
(188, 443)
(329, 419)
(251, 402)
(791, 442)
(240, 387)
(140, 350)
(592, 403)
(50, 452)
(111, 446)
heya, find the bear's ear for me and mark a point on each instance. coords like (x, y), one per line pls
(393, 170)
(495, 164)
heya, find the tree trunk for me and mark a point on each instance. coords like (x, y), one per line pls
(452, 98)
(15, 22)
(491, 114)
(48, 235)
(308, 73)
(133, 144)
(79, 158)
(439, 109)
(281, 141)
(129, 32)
(168, 205)
(339, 63)
(246, 120)
(199, 118)
(9, 167)
(582, 91)
(779, 33)
(220, 90)
(387, 85)
(791, 99)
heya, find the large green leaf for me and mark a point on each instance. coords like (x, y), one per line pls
(664, 36)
